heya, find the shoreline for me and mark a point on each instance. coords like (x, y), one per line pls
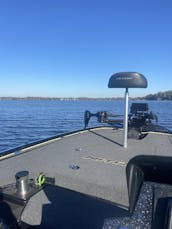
(80, 98)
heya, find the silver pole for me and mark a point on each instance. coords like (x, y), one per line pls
(126, 118)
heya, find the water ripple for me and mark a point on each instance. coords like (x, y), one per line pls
(22, 122)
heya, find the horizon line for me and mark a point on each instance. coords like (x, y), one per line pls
(62, 98)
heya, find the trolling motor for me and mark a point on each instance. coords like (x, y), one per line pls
(138, 119)
(102, 117)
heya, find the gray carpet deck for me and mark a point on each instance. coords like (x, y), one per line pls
(98, 153)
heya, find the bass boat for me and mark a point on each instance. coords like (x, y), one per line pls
(114, 176)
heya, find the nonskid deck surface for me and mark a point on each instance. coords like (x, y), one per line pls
(56, 207)
(97, 153)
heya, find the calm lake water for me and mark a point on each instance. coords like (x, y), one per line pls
(26, 121)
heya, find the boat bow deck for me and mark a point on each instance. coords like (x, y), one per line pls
(98, 153)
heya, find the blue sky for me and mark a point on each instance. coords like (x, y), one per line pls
(61, 48)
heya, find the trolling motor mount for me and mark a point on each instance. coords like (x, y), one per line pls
(139, 115)
(139, 119)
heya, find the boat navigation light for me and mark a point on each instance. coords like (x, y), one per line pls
(127, 80)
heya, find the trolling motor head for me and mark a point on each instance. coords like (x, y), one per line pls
(101, 116)
(127, 80)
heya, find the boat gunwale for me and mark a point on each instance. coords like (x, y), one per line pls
(25, 148)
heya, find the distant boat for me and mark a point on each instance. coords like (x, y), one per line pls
(118, 175)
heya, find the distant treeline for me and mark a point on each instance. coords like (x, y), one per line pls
(58, 98)
(167, 95)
